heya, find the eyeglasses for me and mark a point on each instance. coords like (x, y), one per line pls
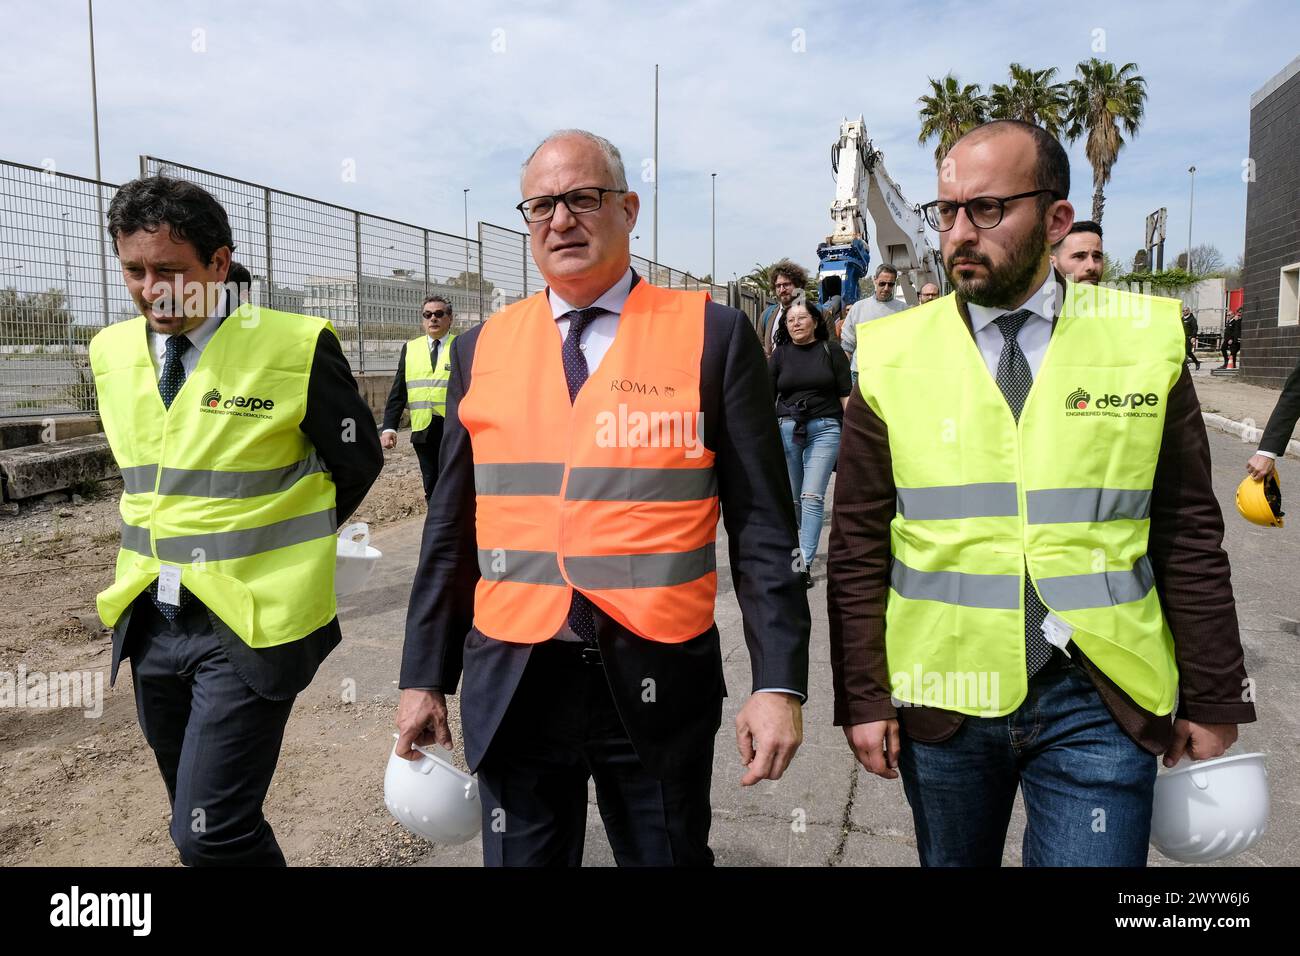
(984, 212)
(885, 284)
(578, 201)
(436, 313)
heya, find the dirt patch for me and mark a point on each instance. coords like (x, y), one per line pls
(82, 788)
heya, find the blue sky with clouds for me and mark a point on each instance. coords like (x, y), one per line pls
(430, 97)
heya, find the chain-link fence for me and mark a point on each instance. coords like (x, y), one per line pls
(59, 281)
(58, 286)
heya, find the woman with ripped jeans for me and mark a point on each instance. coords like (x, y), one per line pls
(811, 385)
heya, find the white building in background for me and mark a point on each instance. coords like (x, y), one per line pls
(389, 304)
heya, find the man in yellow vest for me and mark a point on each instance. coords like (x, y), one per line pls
(568, 567)
(423, 369)
(1027, 585)
(243, 443)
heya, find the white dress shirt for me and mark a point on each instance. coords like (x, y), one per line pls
(599, 334)
(1034, 335)
(199, 339)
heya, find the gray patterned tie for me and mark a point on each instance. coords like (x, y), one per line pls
(1015, 379)
(169, 383)
(581, 620)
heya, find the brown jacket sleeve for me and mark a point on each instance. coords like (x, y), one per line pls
(1191, 568)
(858, 567)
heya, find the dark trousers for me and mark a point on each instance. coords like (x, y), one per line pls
(216, 741)
(561, 729)
(1191, 353)
(427, 452)
(1087, 787)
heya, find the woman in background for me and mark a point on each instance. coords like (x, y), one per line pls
(811, 385)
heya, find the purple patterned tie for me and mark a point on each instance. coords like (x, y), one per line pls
(581, 620)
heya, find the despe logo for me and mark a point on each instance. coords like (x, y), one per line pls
(244, 405)
(1081, 402)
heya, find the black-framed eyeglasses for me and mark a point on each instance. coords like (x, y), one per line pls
(581, 200)
(984, 212)
(436, 313)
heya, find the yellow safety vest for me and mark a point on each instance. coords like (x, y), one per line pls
(426, 388)
(1067, 490)
(223, 484)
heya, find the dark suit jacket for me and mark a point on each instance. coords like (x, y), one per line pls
(397, 400)
(1185, 548)
(757, 511)
(278, 673)
(1285, 414)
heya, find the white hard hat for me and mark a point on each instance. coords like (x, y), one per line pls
(354, 560)
(1210, 809)
(431, 797)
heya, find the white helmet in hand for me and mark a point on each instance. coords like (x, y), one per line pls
(1210, 810)
(431, 797)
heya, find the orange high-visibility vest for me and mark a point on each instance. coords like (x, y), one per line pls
(614, 495)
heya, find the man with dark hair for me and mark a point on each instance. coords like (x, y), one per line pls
(240, 281)
(423, 370)
(243, 444)
(1230, 347)
(788, 280)
(865, 310)
(1078, 255)
(1191, 329)
(1026, 573)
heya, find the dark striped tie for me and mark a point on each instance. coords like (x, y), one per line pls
(581, 619)
(169, 383)
(1015, 379)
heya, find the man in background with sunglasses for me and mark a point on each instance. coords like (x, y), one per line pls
(864, 310)
(420, 384)
(1026, 564)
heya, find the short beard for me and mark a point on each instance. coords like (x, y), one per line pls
(1007, 285)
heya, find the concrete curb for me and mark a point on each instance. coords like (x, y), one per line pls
(1247, 433)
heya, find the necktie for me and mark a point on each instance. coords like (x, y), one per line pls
(1015, 379)
(433, 356)
(581, 619)
(173, 372)
(169, 383)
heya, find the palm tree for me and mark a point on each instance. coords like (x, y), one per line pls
(949, 112)
(1104, 100)
(1031, 96)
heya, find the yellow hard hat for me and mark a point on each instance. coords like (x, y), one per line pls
(1260, 502)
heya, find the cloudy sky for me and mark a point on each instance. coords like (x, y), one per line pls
(426, 98)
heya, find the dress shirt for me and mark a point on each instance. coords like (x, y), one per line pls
(199, 339)
(1034, 335)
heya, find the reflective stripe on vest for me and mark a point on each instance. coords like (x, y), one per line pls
(1065, 492)
(614, 495)
(426, 387)
(223, 484)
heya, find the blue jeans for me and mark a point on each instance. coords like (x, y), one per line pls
(810, 469)
(1087, 786)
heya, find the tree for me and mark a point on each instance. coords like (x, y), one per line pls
(470, 280)
(1205, 260)
(949, 112)
(1033, 97)
(1141, 262)
(1232, 278)
(34, 318)
(1105, 102)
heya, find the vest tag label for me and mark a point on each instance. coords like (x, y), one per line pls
(1057, 632)
(169, 584)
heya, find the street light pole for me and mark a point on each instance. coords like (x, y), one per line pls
(713, 230)
(465, 193)
(67, 276)
(654, 253)
(1191, 197)
(99, 175)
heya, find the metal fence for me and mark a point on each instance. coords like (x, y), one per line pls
(367, 274)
